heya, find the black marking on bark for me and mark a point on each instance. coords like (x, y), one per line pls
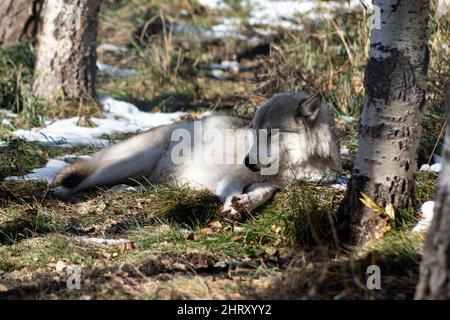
(372, 161)
(394, 78)
(386, 131)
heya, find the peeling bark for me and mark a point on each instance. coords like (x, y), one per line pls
(66, 57)
(434, 280)
(20, 21)
(390, 123)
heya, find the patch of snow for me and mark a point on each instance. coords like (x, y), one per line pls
(136, 117)
(278, 13)
(443, 7)
(282, 13)
(124, 188)
(345, 151)
(426, 211)
(229, 28)
(119, 116)
(8, 113)
(51, 169)
(436, 167)
(341, 183)
(213, 4)
(186, 29)
(107, 68)
(433, 168)
(227, 65)
(348, 119)
(48, 173)
(6, 122)
(218, 74)
(112, 48)
(71, 157)
(217, 70)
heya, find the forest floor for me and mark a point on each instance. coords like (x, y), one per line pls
(166, 57)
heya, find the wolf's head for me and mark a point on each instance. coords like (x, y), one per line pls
(298, 136)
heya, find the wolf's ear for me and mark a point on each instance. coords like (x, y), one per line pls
(310, 107)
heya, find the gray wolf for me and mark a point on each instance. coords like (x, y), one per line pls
(306, 149)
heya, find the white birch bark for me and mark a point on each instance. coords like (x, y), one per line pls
(390, 123)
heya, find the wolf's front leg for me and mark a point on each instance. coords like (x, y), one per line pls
(256, 195)
(227, 189)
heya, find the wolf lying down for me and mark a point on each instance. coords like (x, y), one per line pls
(306, 149)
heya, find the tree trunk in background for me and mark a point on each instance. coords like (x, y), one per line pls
(390, 123)
(20, 20)
(66, 57)
(434, 280)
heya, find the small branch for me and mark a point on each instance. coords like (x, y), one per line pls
(92, 240)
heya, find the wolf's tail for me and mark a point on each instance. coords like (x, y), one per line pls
(73, 175)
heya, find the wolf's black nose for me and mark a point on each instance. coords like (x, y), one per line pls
(252, 166)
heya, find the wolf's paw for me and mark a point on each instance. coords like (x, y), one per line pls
(232, 214)
(238, 207)
(60, 192)
(241, 203)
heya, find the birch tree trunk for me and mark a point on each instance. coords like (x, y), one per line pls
(434, 280)
(20, 20)
(66, 57)
(390, 123)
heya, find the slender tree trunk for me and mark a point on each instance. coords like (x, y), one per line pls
(390, 123)
(434, 280)
(66, 57)
(20, 20)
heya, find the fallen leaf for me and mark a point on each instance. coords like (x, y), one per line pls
(271, 251)
(192, 237)
(3, 288)
(60, 266)
(390, 211)
(215, 226)
(206, 231)
(15, 260)
(100, 207)
(179, 266)
(237, 238)
(195, 115)
(369, 203)
(163, 228)
(275, 229)
(127, 246)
